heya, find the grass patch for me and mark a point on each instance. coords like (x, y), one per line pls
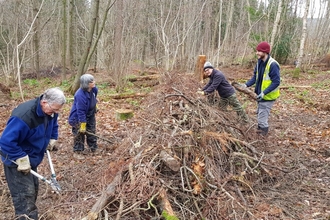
(325, 84)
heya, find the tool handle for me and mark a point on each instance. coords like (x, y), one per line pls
(51, 164)
(39, 176)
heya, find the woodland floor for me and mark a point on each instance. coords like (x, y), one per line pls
(287, 175)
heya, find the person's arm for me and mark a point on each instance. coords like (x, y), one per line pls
(95, 90)
(217, 79)
(207, 85)
(252, 81)
(82, 106)
(15, 132)
(54, 134)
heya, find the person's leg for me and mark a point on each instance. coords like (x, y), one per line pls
(223, 103)
(233, 101)
(263, 113)
(24, 191)
(78, 141)
(91, 127)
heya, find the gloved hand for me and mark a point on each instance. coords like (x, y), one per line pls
(243, 85)
(82, 128)
(96, 109)
(200, 92)
(260, 96)
(51, 145)
(23, 164)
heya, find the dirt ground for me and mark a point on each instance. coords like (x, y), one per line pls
(290, 178)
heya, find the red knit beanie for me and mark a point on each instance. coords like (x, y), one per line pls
(263, 47)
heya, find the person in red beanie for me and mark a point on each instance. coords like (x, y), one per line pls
(266, 78)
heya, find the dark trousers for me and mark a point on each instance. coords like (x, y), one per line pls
(79, 138)
(24, 191)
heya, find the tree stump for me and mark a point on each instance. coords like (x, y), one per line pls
(199, 72)
(124, 114)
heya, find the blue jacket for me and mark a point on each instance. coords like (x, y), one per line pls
(274, 74)
(28, 132)
(219, 82)
(84, 101)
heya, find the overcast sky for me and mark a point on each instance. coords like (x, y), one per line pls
(315, 8)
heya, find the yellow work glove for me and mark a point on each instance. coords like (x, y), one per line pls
(199, 92)
(82, 128)
(23, 164)
(51, 145)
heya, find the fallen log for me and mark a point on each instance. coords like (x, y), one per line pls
(294, 86)
(104, 198)
(126, 96)
(245, 90)
(142, 78)
(109, 192)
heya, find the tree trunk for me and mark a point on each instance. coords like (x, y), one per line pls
(303, 36)
(84, 59)
(219, 32)
(36, 50)
(64, 39)
(69, 48)
(230, 12)
(118, 38)
(276, 23)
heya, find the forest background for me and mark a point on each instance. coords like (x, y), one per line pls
(72, 36)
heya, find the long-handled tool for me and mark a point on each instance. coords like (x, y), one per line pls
(102, 138)
(53, 176)
(53, 183)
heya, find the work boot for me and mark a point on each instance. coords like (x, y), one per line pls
(262, 131)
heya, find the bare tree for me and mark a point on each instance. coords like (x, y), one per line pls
(303, 36)
(83, 62)
(64, 38)
(276, 22)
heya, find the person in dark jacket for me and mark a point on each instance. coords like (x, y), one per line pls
(82, 114)
(266, 78)
(226, 91)
(31, 128)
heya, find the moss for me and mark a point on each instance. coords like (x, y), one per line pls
(166, 216)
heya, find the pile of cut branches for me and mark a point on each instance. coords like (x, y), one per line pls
(185, 159)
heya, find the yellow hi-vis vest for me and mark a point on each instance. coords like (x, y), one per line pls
(266, 81)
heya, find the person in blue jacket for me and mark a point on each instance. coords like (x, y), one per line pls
(226, 91)
(82, 114)
(31, 128)
(266, 78)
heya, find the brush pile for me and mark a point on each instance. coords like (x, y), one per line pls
(185, 159)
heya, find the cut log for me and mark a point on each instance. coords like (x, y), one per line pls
(126, 96)
(123, 114)
(103, 199)
(294, 86)
(170, 161)
(142, 78)
(245, 90)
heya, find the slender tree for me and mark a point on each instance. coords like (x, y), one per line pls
(83, 61)
(64, 38)
(303, 36)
